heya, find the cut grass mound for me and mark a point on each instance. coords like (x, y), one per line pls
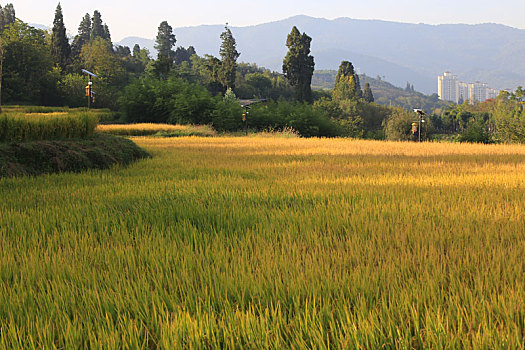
(41, 157)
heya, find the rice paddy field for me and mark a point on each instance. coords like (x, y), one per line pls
(260, 242)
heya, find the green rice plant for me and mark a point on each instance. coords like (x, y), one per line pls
(17, 127)
(43, 109)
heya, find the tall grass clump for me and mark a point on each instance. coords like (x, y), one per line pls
(18, 127)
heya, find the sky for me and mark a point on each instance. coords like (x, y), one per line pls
(141, 18)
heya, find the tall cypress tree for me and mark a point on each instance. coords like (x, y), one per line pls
(298, 65)
(83, 36)
(229, 55)
(368, 96)
(97, 29)
(60, 48)
(7, 16)
(107, 34)
(346, 83)
(136, 50)
(165, 41)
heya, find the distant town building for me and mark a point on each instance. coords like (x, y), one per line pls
(450, 89)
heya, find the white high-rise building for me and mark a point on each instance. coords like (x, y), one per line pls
(479, 92)
(448, 87)
(492, 93)
(463, 92)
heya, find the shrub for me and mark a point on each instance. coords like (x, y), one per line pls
(398, 126)
(303, 118)
(166, 101)
(227, 116)
(476, 131)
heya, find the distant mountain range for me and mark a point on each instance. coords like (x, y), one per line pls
(399, 52)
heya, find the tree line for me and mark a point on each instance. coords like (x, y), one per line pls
(179, 86)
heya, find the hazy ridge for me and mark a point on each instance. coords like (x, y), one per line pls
(399, 51)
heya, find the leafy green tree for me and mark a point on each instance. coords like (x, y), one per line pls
(97, 28)
(368, 96)
(123, 51)
(183, 55)
(27, 63)
(298, 65)
(165, 41)
(229, 55)
(346, 83)
(60, 48)
(83, 36)
(260, 83)
(98, 57)
(398, 127)
(476, 131)
(7, 17)
(509, 119)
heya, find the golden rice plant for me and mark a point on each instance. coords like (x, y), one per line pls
(147, 129)
(260, 242)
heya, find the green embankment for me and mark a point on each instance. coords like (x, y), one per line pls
(37, 140)
(41, 157)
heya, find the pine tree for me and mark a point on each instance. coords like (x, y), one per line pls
(347, 85)
(97, 28)
(106, 35)
(298, 65)
(136, 50)
(7, 16)
(60, 48)
(83, 36)
(229, 55)
(165, 41)
(368, 96)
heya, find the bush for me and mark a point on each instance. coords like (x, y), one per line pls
(398, 126)
(171, 101)
(227, 116)
(16, 127)
(510, 122)
(303, 118)
(476, 131)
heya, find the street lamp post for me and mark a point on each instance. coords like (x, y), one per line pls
(420, 120)
(89, 87)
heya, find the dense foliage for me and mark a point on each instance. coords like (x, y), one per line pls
(179, 86)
